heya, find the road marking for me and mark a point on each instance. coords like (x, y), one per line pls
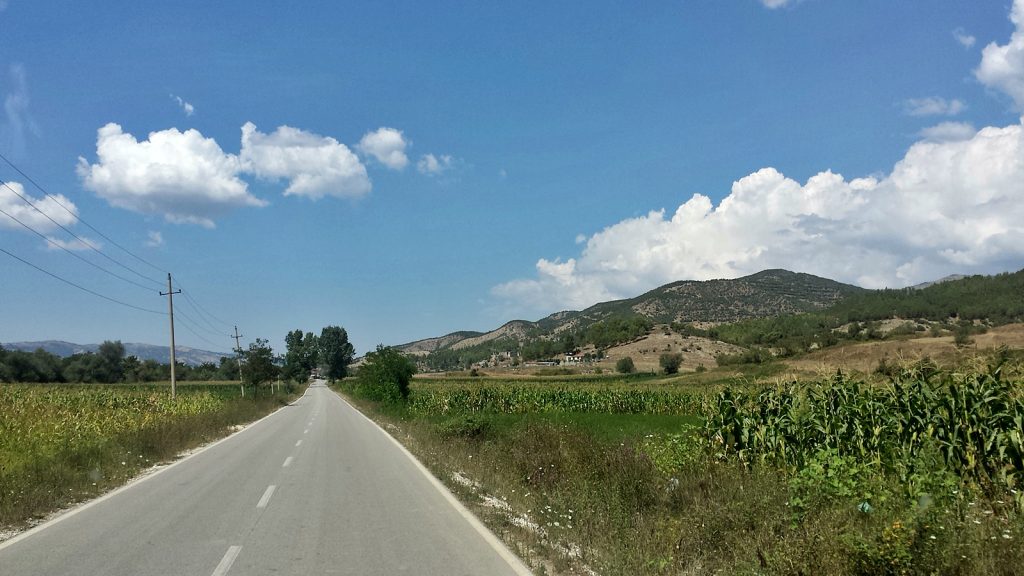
(299, 443)
(513, 561)
(306, 431)
(266, 497)
(227, 561)
(287, 462)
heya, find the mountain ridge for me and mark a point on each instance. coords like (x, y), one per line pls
(162, 354)
(766, 293)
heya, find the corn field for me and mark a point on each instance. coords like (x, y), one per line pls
(971, 423)
(520, 397)
(60, 443)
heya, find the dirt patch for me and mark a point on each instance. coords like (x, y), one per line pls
(646, 351)
(864, 357)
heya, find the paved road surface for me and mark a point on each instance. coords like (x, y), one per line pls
(312, 489)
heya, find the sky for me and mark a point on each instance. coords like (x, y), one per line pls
(408, 169)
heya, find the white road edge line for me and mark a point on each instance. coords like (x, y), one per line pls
(227, 561)
(85, 506)
(514, 562)
(266, 496)
(287, 462)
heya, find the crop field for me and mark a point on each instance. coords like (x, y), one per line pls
(63, 443)
(520, 396)
(920, 473)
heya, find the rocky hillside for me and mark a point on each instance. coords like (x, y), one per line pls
(767, 293)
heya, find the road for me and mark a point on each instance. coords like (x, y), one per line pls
(315, 488)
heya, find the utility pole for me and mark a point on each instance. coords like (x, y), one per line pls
(170, 307)
(238, 349)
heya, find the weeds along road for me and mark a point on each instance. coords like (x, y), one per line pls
(315, 488)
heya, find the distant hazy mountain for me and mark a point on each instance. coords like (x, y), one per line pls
(767, 293)
(162, 354)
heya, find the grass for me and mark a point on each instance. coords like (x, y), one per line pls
(646, 494)
(61, 444)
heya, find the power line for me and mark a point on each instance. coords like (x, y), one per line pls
(76, 236)
(77, 217)
(199, 308)
(204, 339)
(76, 255)
(80, 287)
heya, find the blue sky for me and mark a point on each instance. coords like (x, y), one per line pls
(411, 168)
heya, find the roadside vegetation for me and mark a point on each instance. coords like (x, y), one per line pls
(61, 444)
(918, 472)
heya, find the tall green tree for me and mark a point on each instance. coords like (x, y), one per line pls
(258, 363)
(336, 352)
(293, 368)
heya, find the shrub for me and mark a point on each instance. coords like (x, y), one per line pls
(670, 362)
(385, 376)
(625, 366)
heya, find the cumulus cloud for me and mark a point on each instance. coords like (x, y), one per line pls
(387, 146)
(154, 239)
(48, 205)
(965, 39)
(948, 131)
(183, 176)
(315, 166)
(186, 107)
(18, 123)
(955, 205)
(933, 107)
(1002, 66)
(434, 165)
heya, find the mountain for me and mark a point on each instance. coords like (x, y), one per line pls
(950, 278)
(767, 293)
(162, 354)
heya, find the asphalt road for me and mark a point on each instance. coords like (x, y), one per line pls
(315, 488)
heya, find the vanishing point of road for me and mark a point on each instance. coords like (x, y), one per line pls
(315, 488)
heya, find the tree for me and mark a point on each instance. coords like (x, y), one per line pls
(335, 352)
(385, 375)
(111, 362)
(258, 363)
(625, 366)
(670, 362)
(294, 368)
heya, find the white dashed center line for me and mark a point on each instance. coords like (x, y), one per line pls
(227, 561)
(266, 497)
(299, 443)
(287, 462)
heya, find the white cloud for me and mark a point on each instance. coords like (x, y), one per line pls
(965, 39)
(434, 165)
(933, 107)
(315, 166)
(948, 131)
(183, 176)
(48, 205)
(773, 4)
(155, 239)
(1002, 67)
(387, 145)
(18, 123)
(75, 244)
(947, 206)
(186, 107)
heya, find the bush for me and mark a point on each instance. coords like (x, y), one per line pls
(670, 362)
(625, 366)
(385, 375)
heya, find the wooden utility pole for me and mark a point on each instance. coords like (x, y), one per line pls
(238, 349)
(170, 307)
